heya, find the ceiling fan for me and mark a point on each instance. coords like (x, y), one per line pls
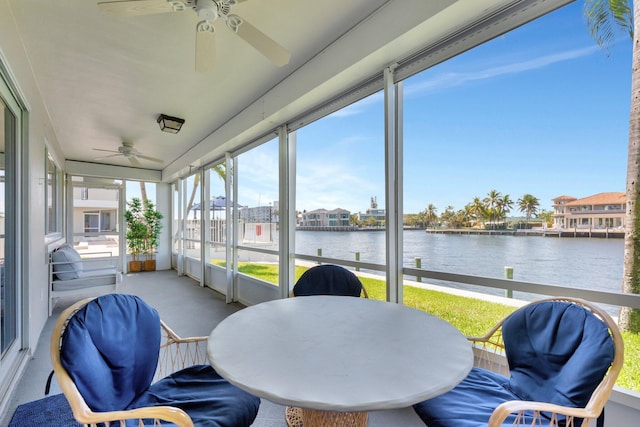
(209, 11)
(129, 152)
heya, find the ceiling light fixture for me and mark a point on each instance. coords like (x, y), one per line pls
(170, 124)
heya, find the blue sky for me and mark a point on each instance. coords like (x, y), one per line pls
(540, 110)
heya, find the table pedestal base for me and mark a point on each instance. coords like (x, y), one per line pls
(301, 417)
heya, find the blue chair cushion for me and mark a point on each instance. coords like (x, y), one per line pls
(469, 404)
(328, 279)
(209, 399)
(557, 352)
(110, 349)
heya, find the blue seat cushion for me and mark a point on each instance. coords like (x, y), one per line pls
(558, 352)
(110, 349)
(209, 399)
(469, 404)
(328, 279)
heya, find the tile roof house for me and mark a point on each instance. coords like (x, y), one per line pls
(599, 211)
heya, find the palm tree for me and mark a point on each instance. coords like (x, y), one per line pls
(462, 218)
(469, 214)
(529, 205)
(220, 170)
(504, 206)
(603, 17)
(492, 203)
(546, 216)
(448, 216)
(430, 214)
(477, 209)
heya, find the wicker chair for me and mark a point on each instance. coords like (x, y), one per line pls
(327, 279)
(553, 362)
(111, 356)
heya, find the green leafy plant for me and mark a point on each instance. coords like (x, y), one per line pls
(152, 220)
(143, 228)
(136, 228)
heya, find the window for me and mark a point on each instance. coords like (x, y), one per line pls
(94, 213)
(53, 196)
(257, 179)
(340, 173)
(91, 222)
(98, 221)
(216, 225)
(192, 217)
(10, 202)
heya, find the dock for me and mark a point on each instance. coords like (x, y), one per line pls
(601, 233)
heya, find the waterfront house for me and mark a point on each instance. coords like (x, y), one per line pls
(599, 211)
(75, 82)
(374, 216)
(326, 218)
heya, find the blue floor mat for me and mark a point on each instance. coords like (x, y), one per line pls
(51, 411)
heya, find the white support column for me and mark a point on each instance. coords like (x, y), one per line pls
(393, 184)
(287, 209)
(202, 229)
(183, 215)
(69, 212)
(122, 227)
(205, 223)
(232, 216)
(163, 204)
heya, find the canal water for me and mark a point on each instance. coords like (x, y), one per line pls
(592, 263)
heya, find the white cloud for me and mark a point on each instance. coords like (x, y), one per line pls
(453, 79)
(358, 107)
(331, 185)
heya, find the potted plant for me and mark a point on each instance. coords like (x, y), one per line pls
(136, 233)
(152, 219)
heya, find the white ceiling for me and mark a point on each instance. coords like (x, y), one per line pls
(105, 80)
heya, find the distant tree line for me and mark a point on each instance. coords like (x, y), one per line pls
(490, 212)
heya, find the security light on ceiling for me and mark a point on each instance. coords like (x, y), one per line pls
(170, 124)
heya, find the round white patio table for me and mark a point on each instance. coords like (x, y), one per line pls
(335, 353)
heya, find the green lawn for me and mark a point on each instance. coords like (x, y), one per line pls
(471, 316)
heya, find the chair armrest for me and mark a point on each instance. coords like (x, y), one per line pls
(488, 351)
(106, 262)
(105, 254)
(92, 268)
(169, 414)
(519, 407)
(177, 353)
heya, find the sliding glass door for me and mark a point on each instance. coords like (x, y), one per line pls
(10, 293)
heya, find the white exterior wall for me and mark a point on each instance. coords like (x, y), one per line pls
(39, 131)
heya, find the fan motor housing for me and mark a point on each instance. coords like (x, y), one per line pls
(207, 9)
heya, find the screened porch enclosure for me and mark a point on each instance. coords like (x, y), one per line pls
(363, 127)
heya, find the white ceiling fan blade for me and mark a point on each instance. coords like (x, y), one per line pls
(259, 40)
(107, 157)
(151, 159)
(205, 47)
(135, 7)
(134, 161)
(106, 151)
